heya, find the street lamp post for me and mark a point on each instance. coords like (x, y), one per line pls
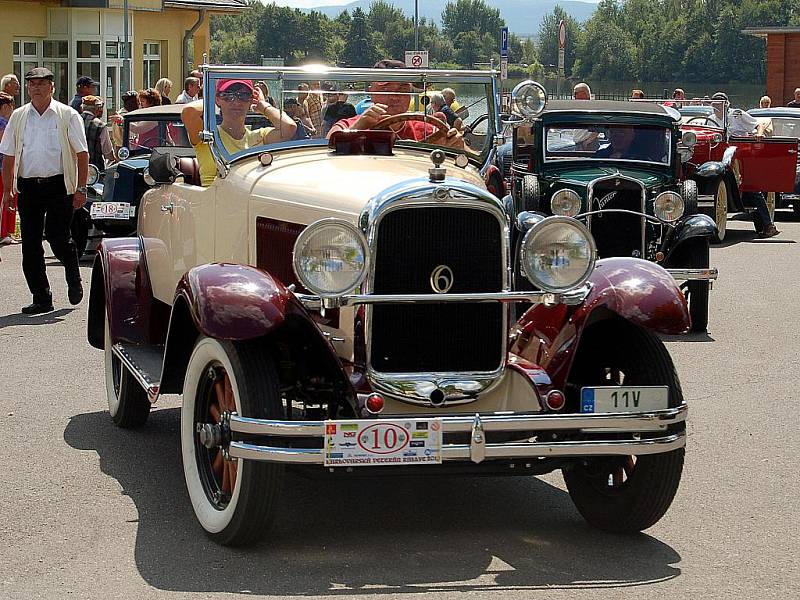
(416, 24)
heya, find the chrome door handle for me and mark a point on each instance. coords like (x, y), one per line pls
(170, 208)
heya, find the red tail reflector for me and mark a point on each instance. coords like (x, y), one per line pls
(374, 403)
(555, 400)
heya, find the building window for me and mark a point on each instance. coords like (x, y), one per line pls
(27, 54)
(55, 56)
(151, 63)
(88, 59)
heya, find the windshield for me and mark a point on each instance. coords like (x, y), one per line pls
(642, 143)
(147, 134)
(299, 110)
(785, 127)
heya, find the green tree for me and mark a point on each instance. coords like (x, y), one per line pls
(471, 15)
(548, 39)
(361, 45)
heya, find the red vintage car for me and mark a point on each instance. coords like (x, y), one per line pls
(726, 166)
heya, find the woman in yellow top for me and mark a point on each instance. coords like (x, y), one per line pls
(234, 98)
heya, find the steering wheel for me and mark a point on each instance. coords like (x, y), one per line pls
(436, 137)
(702, 121)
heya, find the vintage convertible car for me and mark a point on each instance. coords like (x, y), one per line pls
(726, 167)
(616, 165)
(343, 306)
(784, 122)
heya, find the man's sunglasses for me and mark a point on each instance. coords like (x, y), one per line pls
(241, 95)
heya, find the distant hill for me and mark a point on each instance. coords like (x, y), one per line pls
(522, 16)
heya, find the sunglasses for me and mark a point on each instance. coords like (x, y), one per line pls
(241, 95)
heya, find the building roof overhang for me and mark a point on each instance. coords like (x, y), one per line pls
(217, 6)
(763, 32)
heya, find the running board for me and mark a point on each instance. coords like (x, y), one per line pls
(144, 363)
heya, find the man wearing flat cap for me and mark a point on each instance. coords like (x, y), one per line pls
(46, 161)
(85, 86)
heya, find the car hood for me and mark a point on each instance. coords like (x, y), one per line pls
(582, 176)
(321, 183)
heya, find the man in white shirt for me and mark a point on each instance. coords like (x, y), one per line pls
(191, 88)
(46, 160)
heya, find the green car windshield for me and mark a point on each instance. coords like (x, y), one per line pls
(639, 143)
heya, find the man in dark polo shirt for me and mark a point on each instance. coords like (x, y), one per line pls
(46, 161)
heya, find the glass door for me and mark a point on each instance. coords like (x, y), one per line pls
(111, 88)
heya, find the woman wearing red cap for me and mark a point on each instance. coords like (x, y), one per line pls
(234, 98)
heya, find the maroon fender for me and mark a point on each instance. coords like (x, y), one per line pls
(121, 286)
(494, 181)
(636, 290)
(235, 302)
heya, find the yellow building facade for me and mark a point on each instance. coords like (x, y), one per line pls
(72, 38)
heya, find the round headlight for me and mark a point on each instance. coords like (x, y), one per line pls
(558, 254)
(668, 206)
(123, 153)
(528, 99)
(565, 203)
(93, 175)
(330, 257)
(689, 138)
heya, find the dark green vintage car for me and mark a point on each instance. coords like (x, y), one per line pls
(616, 166)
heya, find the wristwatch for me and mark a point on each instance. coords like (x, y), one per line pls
(83, 189)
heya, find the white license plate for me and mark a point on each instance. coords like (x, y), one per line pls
(112, 210)
(383, 442)
(624, 399)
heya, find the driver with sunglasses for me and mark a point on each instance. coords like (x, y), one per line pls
(391, 98)
(235, 97)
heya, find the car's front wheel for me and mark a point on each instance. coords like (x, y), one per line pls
(624, 494)
(234, 500)
(721, 207)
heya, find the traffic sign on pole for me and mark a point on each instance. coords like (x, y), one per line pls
(503, 69)
(504, 42)
(417, 59)
(560, 62)
(562, 34)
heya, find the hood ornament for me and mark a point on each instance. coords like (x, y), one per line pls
(437, 172)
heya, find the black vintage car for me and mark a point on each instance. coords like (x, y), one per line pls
(616, 166)
(113, 201)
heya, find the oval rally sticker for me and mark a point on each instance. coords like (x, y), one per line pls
(383, 438)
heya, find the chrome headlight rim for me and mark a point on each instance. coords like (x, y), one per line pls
(573, 196)
(521, 91)
(536, 230)
(305, 236)
(659, 211)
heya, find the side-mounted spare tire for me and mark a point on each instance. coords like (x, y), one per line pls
(531, 194)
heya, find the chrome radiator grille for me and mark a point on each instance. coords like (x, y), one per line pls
(412, 243)
(618, 234)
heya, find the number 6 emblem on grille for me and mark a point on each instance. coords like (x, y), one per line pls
(442, 279)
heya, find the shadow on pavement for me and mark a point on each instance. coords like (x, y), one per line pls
(701, 336)
(15, 319)
(410, 535)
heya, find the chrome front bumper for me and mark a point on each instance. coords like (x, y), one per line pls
(604, 428)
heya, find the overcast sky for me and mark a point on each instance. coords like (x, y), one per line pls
(310, 3)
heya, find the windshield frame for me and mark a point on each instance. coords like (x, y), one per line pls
(212, 74)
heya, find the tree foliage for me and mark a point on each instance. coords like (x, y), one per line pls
(655, 40)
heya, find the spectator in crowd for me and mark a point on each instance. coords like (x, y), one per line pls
(50, 174)
(235, 97)
(637, 94)
(582, 91)
(149, 97)
(199, 75)
(8, 215)
(97, 139)
(191, 91)
(10, 85)
(796, 102)
(438, 104)
(678, 94)
(295, 110)
(313, 104)
(450, 98)
(130, 102)
(742, 124)
(335, 108)
(164, 88)
(391, 98)
(85, 86)
(765, 102)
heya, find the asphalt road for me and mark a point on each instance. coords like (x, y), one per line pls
(91, 511)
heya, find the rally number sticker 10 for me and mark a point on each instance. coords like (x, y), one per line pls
(374, 442)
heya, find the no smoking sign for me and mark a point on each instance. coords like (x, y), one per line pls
(417, 59)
